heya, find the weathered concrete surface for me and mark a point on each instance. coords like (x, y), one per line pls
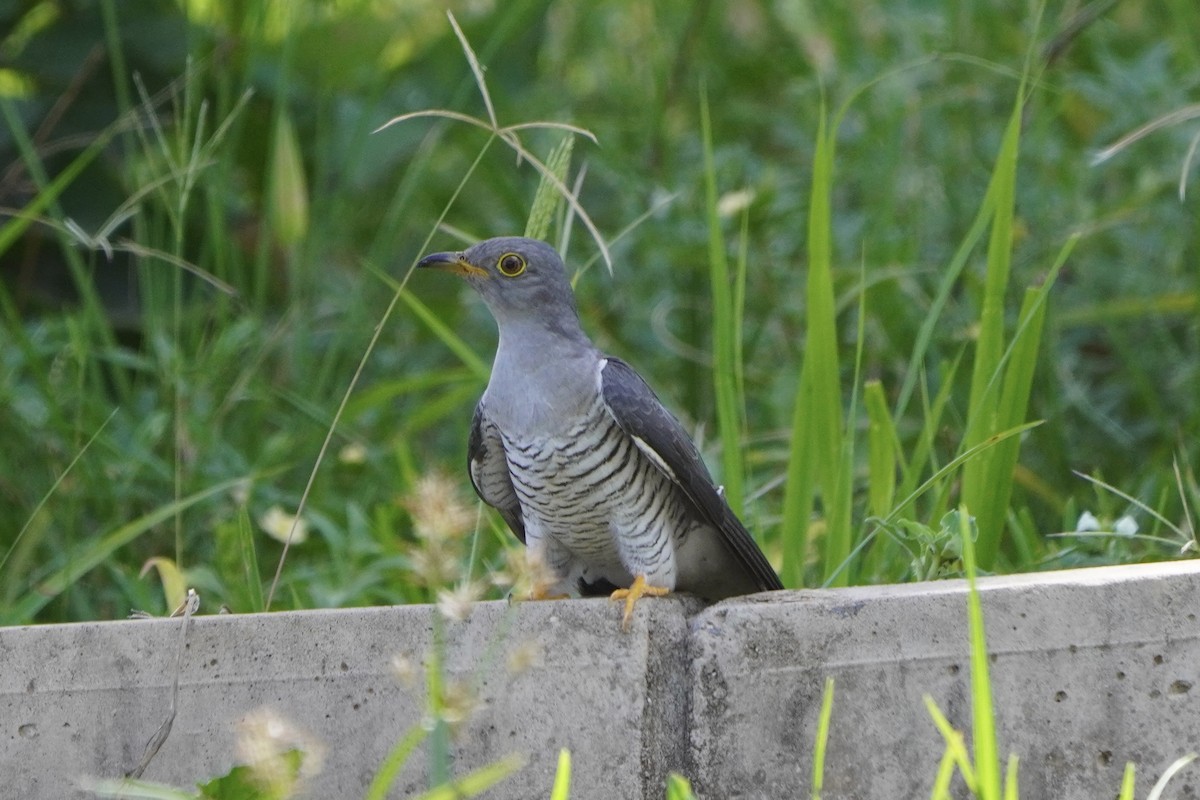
(1090, 669)
(84, 699)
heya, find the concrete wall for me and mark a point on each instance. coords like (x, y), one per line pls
(1090, 668)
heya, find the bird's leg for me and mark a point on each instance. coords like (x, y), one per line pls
(636, 591)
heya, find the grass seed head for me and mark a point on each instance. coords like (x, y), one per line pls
(456, 604)
(437, 509)
(279, 754)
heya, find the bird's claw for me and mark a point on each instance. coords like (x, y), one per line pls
(636, 591)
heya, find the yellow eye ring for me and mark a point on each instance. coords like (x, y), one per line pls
(510, 265)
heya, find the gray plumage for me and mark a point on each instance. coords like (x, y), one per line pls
(578, 455)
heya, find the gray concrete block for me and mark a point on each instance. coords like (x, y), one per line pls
(84, 699)
(1090, 668)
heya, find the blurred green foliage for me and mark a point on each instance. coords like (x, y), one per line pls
(189, 304)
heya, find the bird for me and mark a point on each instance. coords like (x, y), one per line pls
(581, 459)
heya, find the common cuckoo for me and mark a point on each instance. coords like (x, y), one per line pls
(581, 459)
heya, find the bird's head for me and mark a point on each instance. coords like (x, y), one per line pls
(521, 280)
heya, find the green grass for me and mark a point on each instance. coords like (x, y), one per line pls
(861, 312)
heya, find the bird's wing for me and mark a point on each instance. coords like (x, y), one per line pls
(638, 411)
(488, 468)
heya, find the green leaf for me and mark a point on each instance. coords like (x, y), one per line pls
(171, 577)
(247, 783)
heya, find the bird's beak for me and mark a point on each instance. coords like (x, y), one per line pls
(455, 263)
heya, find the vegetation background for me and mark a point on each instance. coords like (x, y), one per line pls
(201, 233)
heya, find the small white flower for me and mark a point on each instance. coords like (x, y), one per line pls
(278, 524)
(734, 202)
(1125, 526)
(1087, 522)
(353, 454)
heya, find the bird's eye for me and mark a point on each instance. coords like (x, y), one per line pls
(511, 264)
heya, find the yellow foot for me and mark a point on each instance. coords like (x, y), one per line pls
(636, 591)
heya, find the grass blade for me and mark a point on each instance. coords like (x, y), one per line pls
(477, 781)
(987, 760)
(816, 436)
(725, 337)
(249, 560)
(1010, 779)
(1016, 370)
(978, 475)
(395, 760)
(882, 448)
(48, 194)
(818, 777)
(1127, 782)
(945, 774)
(947, 286)
(562, 777)
(956, 749)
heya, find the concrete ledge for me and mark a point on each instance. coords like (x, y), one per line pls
(84, 699)
(1091, 668)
